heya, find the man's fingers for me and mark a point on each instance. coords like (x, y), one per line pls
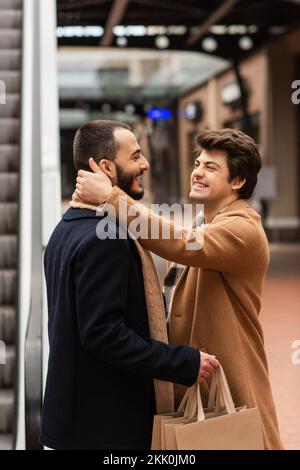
(82, 173)
(211, 361)
(93, 166)
(214, 362)
(208, 368)
(79, 179)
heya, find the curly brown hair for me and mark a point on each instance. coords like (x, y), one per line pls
(243, 158)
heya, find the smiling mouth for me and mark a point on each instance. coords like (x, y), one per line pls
(139, 179)
(198, 185)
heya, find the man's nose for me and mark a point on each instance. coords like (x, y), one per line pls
(199, 171)
(144, 164)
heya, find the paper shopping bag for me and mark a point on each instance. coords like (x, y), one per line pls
(168, 436)
(184, 412)
(237, 431)
(228, 429)
(156, 443)
(158, 434)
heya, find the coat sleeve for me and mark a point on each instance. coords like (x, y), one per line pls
(102, 273)
(232, 244)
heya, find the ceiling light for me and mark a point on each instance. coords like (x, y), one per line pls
(209, 44)
(155, 30)
(277, 30)
(162, 42)
(79, 31)
(177, 30)
(252, 29)
(218, 29)
(130, 109)
(246, 43)
(122, 42)
(131, 30)
(237, 29)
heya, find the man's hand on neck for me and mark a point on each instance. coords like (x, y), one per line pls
(93, 188)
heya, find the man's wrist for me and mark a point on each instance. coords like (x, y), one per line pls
(113, 195)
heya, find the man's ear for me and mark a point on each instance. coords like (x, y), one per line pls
(238, 183)
(107, 167)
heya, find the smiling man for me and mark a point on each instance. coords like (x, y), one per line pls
(216, 302)
(119, 154)
(110, 366)
(213, 183)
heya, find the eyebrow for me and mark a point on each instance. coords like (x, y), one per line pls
(135, 152)
(209, 162)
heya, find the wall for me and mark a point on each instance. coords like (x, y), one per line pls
(282, 130)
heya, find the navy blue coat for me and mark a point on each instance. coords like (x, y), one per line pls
(99, 390)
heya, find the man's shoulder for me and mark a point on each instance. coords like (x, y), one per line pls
(105, 235)
(72, 225)
(81, 229)
(244, 223)
(239, 215)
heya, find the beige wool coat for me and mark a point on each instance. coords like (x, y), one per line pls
(217, 300)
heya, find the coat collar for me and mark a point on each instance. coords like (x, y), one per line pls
(80, 213)
(237, 205)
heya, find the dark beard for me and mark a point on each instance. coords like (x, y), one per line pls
(125, 182)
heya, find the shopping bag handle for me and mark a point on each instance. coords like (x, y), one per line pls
(192, 405)
(183, 404)
(215, 400)
(223, 387)
(220, 395)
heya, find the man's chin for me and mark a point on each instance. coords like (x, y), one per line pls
(195, 195)
(137, 195)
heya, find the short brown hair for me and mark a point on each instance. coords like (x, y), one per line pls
(243, 157)
(95, 139)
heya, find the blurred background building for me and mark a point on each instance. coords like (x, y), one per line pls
(168, 68)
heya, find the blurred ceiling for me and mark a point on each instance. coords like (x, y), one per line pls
(226, 28)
